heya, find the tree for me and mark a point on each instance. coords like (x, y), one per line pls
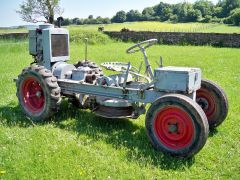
(182, 10)
(133, 15)
(37, 10)
(67, 22)
(75, 20)
(186, 12)
(228, 6)
(90, 17)
(235, 16)
(193, 15)
(79, 22)
(217, 11)
(205, 6)
(99, 20)
(163, 11)
(148, 14)
(106, 21)
(167, 13)
(160, 8)
(207, 19)
(120, 17)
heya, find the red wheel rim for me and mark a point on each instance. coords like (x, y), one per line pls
(33, 96)
(174, 128)
(207, 102)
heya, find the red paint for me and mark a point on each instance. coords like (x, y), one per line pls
(210, 110)
(177, 117)
(33, 96)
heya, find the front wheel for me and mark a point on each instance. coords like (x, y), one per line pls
(176, 125)
(213, 101)
(38, 92)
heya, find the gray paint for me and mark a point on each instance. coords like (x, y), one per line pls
(177, 79)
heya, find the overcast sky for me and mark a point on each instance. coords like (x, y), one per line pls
(80, 8)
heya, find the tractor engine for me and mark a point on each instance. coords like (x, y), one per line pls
(83, 71)
(50, 48)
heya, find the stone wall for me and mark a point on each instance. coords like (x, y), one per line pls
(214, 39)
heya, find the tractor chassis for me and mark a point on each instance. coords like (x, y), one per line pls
(133, 95)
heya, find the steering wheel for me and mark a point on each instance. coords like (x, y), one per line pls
(141, 45)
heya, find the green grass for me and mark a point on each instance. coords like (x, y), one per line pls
(78, 145)
(78, 36)
(163, 27)
(6, 30)
(151, 26)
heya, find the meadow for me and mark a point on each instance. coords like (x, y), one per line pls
(164, 27)
(76, 144)
(151, 26)
(12, 30)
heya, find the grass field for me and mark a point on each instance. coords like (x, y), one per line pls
(21, 30)
(78, 145)
(152, 26)
(165, 27)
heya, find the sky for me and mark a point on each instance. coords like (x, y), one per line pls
(80, 8)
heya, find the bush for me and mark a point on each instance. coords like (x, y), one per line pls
(93, 37)
(235, 17)
(227, 20)
(120, 17)
(174, 18)
(207, 19)
(216, 20)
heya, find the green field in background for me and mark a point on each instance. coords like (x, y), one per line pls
(152, 26)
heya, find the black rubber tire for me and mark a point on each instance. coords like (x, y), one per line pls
(195, 114)
(219, 99)
(49, 87)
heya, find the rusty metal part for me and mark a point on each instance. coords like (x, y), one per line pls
(95, 68)
(90, 78)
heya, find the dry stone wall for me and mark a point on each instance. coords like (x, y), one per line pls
(214, 39)
(179, 38)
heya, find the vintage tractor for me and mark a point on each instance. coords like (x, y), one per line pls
(182, 105)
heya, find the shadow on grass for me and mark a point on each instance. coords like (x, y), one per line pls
(12, 115)
(212, 132)
(118, 133)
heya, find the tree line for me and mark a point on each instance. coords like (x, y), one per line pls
(225, 11)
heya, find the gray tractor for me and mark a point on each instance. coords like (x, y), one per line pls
(182, 105)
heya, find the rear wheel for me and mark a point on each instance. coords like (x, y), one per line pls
(213, 101)
(38, 92)
(177, 125)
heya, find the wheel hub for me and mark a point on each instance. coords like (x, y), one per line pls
(33, 96)
(203, 103)
(207, 102)
(174, 128)
(38, 94)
